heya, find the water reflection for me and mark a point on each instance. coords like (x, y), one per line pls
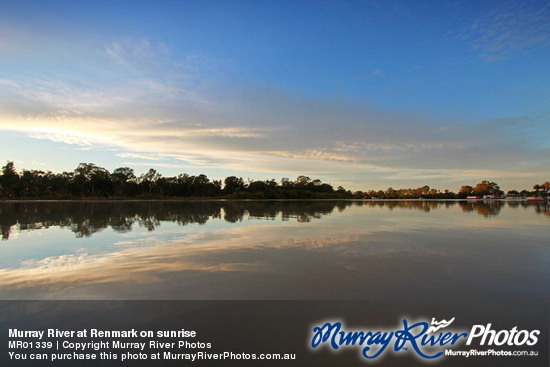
(387, 250)
(86, 218)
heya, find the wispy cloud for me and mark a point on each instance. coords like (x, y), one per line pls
(149, 157)
(509, 28)
(7, 83)
(67, 138)
(147, 57)
(275, 133)
(154, 106)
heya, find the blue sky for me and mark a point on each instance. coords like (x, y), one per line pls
(365, 94)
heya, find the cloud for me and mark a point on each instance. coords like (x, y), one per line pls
(166, 259)
(145, 57)
(270, 132)
(7, 83)
(154, 106)
(150, 156)
(67, 138)
(509, 28)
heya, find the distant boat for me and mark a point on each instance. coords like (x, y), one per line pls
(534, 200)
(473, 198)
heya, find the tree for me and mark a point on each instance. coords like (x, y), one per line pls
(149, 179)
(9, 181)
(101, 182)
(233, 184)
(487, 188)
(303, 180)
(123, 175)
(33, 183)
(123, 179)
(90, 179)
(465, 191)
(425, 190)
(257, 186)
(389, 194)
(9, 169)
(200, 185)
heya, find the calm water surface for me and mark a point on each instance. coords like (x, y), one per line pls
(275, 250)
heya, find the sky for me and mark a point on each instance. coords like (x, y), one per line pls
(363, 94)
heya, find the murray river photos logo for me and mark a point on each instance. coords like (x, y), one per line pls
(425, 340)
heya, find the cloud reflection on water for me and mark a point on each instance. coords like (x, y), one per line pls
(358, 252)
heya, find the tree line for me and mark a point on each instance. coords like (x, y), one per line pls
(90, 180)
(484, 188)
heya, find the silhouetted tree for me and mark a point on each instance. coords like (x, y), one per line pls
(148, 180)
(9, 181)
(124, 181)
(233, 184)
